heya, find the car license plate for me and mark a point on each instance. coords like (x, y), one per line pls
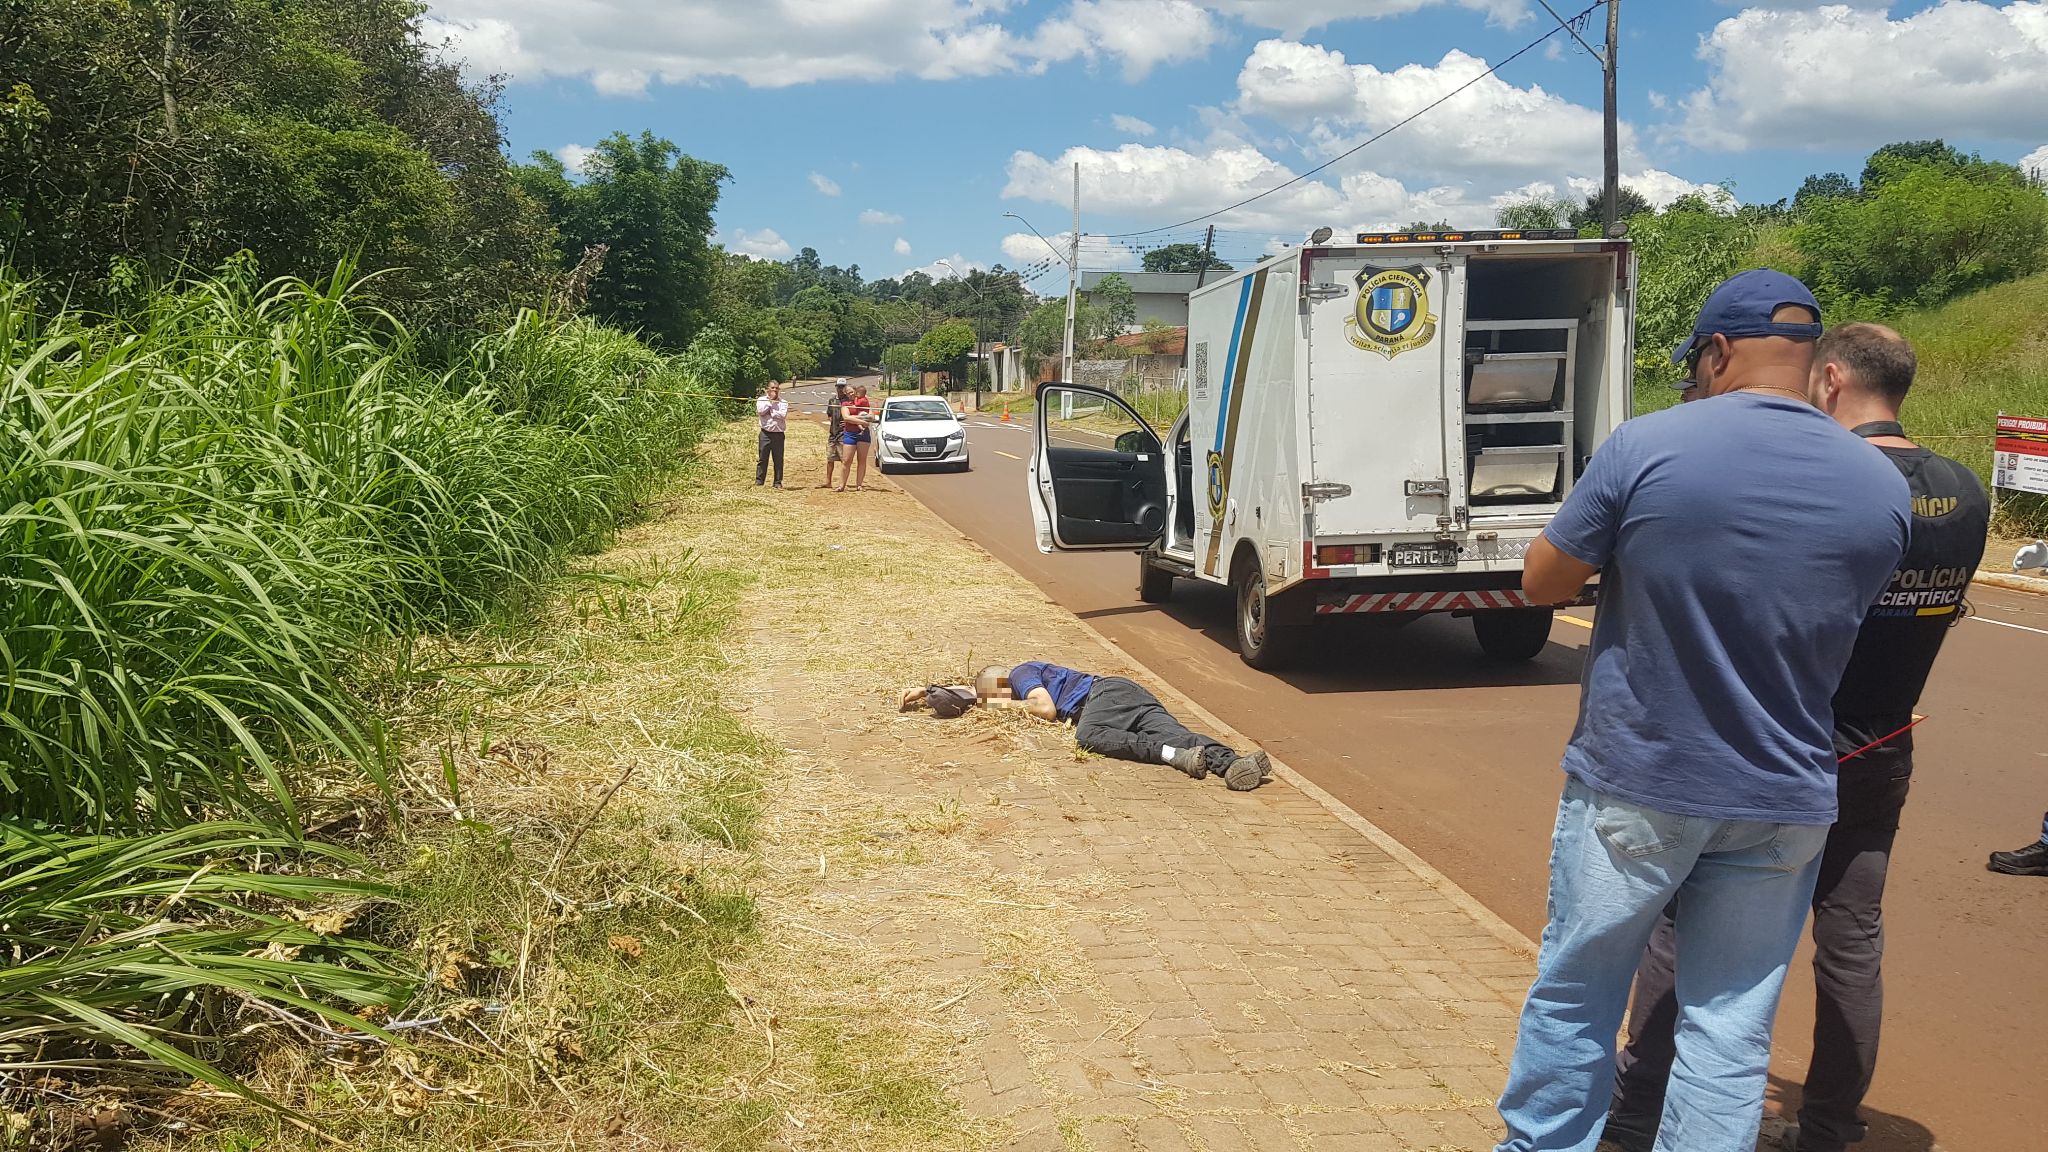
(924, 449)
(1423, 556)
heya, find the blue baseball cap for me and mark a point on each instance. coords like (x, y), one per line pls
(1742, 306)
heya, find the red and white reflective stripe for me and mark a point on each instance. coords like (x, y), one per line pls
(1425, 602)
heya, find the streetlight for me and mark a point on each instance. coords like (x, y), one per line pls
(1059, 255)
(1072, 260)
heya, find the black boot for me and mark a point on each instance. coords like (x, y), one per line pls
(2029, 861)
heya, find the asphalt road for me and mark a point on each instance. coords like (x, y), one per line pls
(1457, 758)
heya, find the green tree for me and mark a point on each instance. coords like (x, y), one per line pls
(1822, 186)
(171, 135)
(652, 206)
(946, 347)
(1181, 258)
(1113, 308)
(1425, 226)
(1535, 213)
(1628, 204)
(1043, 333)
(1922, 232)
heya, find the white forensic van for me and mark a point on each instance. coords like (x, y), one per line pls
(1379, 427)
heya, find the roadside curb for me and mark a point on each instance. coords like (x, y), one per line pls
(1443, 885)
(2011, 582)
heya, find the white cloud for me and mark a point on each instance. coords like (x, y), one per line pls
(572, 157)
(1658, 100)
(1658, 187)
(1491, 130)
(1130, 125)
(621, 46)
(949, 268)
(2036, 162)
(1295, 17)
(877, 216)
(825, 184)
(1142, 34)
(1156, 185)
(762, 245)
(1021, 248)
(902, 246)
(1842, 77)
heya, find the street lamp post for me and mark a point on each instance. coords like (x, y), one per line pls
(1073, 274)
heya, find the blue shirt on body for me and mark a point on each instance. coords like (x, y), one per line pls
(1741, 539)
(1068, 688)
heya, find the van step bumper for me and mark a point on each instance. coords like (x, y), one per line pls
(1471, 601)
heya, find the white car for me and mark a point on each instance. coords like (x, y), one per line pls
(919, 431)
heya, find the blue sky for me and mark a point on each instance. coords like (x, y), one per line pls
(894, 133)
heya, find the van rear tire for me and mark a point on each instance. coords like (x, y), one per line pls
(1262, 643)
(1155, 585)
(1515, 634)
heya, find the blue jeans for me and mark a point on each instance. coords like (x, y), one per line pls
(1741, 889)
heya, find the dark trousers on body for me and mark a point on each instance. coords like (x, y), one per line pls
(1848, 938)
(771, 445)
(1122, 720)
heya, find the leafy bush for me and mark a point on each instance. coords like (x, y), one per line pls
(1923, 234)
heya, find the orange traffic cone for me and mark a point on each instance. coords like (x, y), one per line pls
(1006, 411)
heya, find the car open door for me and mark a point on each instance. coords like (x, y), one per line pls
(1097, 475)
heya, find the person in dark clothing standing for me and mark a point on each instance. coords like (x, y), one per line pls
(1113, 717)
(833, 428)
(1860, 377)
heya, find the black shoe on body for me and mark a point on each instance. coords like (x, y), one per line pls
(1247, 772)
(2029, 861)
(1189, 760)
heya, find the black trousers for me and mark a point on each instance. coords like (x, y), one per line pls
(1848, 940)
(1122, 720)
(771, 445)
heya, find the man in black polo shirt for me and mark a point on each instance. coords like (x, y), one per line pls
(1861, 373)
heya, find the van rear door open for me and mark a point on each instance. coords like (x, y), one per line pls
(1378, 419)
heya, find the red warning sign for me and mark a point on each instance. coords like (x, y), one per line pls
(2019, 458)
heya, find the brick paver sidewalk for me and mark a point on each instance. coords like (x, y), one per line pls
(1141, 961)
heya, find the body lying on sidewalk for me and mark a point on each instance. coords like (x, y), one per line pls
(1112, 717)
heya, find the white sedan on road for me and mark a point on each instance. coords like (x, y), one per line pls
(919, 431)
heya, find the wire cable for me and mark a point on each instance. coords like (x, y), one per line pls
(1376, 138)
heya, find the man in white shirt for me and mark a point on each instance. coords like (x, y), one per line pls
(774, 413)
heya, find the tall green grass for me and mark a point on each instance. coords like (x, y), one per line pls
(223, 518)
(1979, 355)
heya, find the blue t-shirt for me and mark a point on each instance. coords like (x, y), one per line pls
(1741, 540)
(1068, 688)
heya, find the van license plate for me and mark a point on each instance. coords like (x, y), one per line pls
(1423, 556)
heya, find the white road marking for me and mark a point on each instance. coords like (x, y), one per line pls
(1000, 452)
(2004, 624)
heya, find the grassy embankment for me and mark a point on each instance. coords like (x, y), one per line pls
(316, 796)
(1980, 355)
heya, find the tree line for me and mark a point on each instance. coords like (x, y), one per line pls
(140, 143)
(1922, 224)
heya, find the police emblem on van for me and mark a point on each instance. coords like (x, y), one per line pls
(1392, 314)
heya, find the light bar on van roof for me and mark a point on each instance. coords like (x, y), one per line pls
(1455, 237)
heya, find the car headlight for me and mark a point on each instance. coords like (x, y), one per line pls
(892, 438)
(957, 437)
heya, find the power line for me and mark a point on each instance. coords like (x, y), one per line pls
(1376, 138)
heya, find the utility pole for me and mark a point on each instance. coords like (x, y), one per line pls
(1208, 246)
(1073, 283)
(1612, 131)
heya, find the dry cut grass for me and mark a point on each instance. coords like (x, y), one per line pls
(621, 895)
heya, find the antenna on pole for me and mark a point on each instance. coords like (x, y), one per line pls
(1073, 275)
(1611, 141)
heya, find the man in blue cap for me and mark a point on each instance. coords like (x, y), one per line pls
(1739, 543)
